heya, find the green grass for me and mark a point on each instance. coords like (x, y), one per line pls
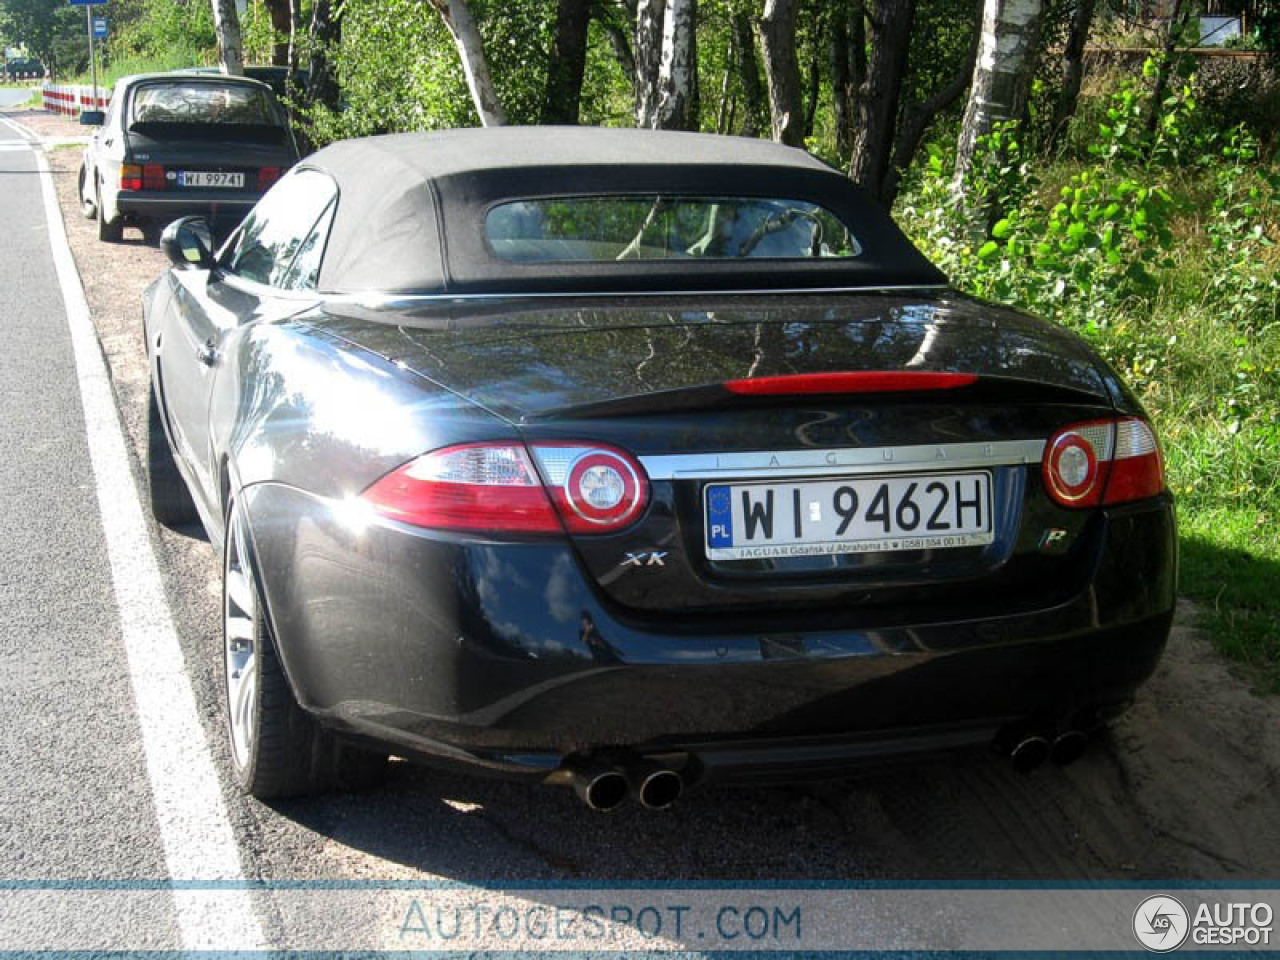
(1203, 353)
(1220, 430)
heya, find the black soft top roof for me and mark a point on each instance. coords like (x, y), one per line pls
(411, 210)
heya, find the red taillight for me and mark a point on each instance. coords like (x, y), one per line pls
(266, 177)
(153, 177)
(1103, 462)
(130, 177)
(596, 489)
(863, 381)
(496, 488)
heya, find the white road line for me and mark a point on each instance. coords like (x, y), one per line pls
(197, 837)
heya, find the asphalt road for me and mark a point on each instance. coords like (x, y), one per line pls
(85, 796)
(72, 774)
(12, 96)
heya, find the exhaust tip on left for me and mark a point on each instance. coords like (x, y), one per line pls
(601, 789)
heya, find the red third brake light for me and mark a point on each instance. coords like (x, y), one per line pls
(861, 381)
(496, 488)
(1103, 462)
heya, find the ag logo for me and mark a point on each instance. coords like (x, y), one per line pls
(1161, 923)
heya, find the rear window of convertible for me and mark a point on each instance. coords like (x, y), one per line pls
(201, 103)
(613, 228)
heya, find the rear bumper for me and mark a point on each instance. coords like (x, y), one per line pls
(162, 205)
(499, 657)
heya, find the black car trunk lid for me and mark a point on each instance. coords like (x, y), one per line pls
(647, 376)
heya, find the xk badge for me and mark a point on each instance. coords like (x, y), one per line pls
(645, 558)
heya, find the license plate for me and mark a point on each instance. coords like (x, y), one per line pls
(805, 518)
(210, 178)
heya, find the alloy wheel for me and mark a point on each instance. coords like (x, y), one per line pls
(240, 641)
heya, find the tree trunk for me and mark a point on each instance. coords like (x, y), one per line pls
(722, 108)
(890, 22)
(462, 25)
(1177, 22)
(815, 81)
(916, 120)
(567, 62)
(647, 52)
(621, 45)
(777, 28)
(841, 94)
(326, 35)
(281, 25)
(744, 49)
(226, 26)
(1001, 75)
(677, 72)
(1072, 69)
(293, 88)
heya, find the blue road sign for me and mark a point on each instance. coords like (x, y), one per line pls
(86, 3)
(99, 27)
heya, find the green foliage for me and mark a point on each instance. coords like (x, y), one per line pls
(1161, 250)
(161, 32)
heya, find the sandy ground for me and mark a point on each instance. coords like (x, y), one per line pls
(1184, 786)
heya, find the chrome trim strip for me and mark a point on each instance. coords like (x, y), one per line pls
(375, 300)
(843, 461)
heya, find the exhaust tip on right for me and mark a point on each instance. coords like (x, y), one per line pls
(1068, 747)
(1029, 752)
(660, 789)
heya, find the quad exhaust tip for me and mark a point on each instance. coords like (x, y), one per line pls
(1029, 752)
(1068, 747)
(607, 787)
(602, 789)
(658, 788)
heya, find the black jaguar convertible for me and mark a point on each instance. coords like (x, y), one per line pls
(633, 460)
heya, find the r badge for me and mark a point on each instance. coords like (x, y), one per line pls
(1053, 540)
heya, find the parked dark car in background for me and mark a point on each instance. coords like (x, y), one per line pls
(23, 69)
(633, 460)
(174, 144)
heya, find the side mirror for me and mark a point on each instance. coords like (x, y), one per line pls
(92, 118)
(187, 243)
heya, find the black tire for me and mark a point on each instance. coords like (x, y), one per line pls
(286, 753)
(171, 502)
(109, 231)
(88, 207)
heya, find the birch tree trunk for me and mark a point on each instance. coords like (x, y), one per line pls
(1001, 75)
(777, 28)
(226, 27)
(466, 35)
(568, 60)
(647, 54)
(676, 108)
(890, 24)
